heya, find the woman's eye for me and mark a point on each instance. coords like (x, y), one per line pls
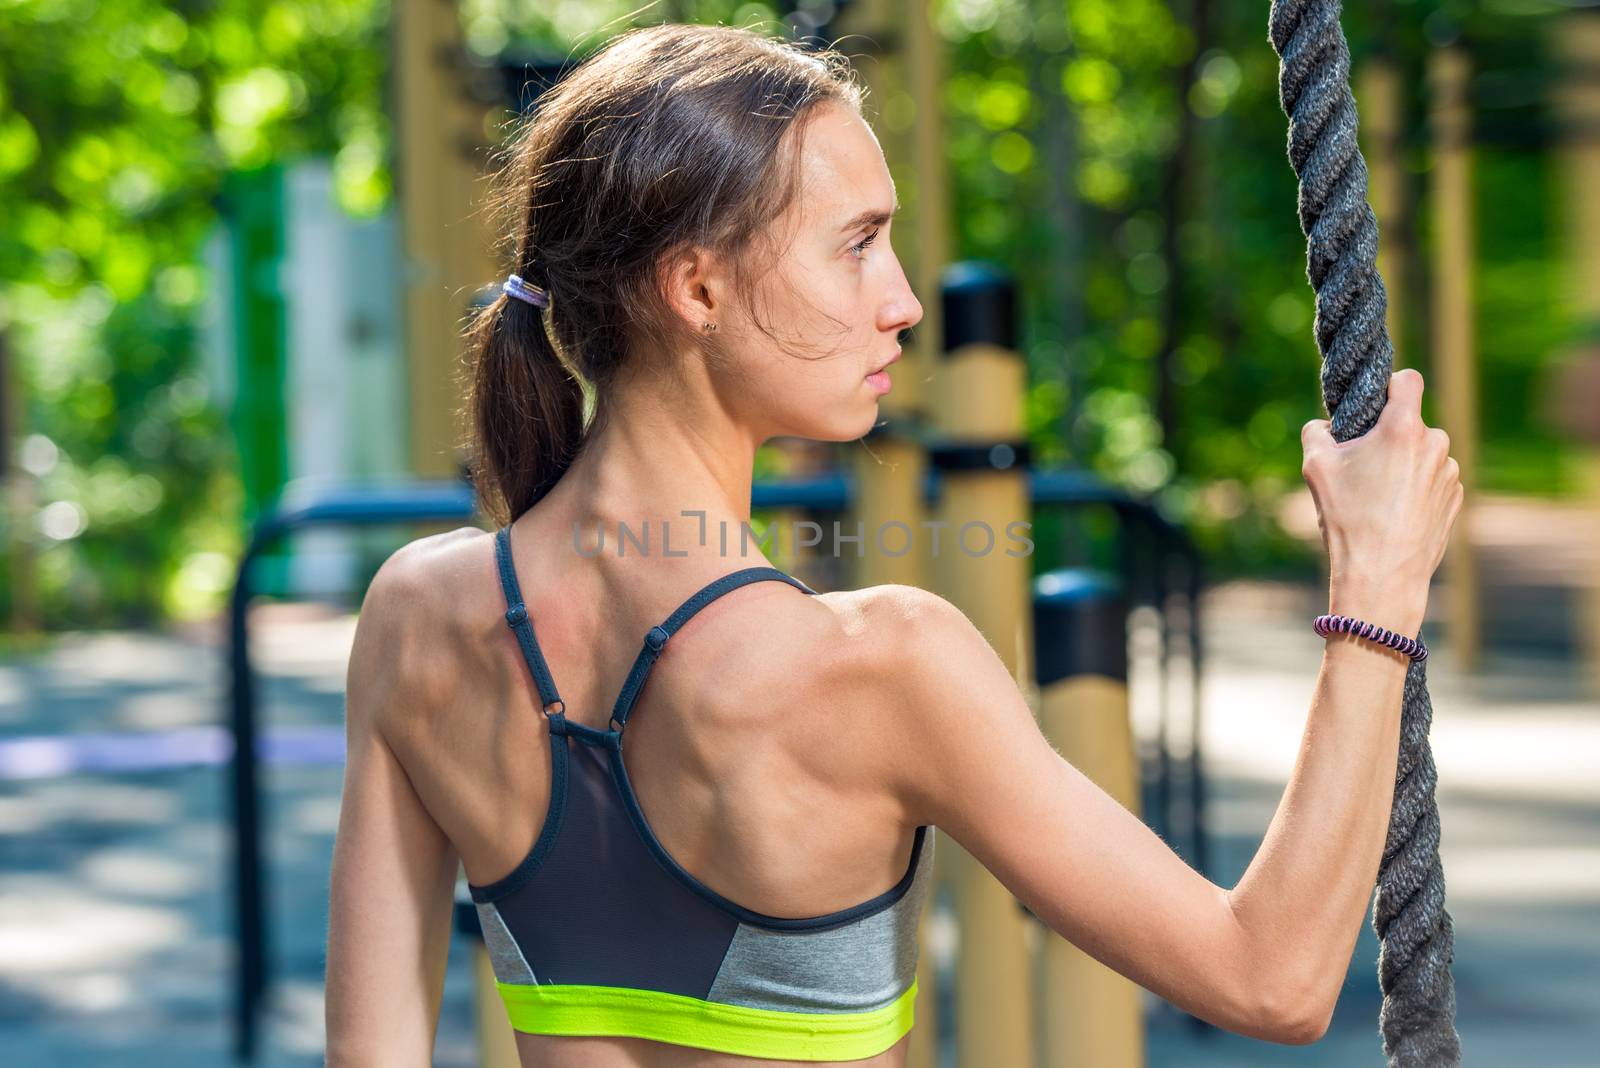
(858, 249)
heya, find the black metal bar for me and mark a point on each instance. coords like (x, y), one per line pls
(1161, 594)
(1202, 860)
(298, 508)
(249, 906)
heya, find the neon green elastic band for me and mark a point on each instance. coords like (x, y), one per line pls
(564, 1009)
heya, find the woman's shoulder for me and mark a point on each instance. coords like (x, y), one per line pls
(429, 574)
(869, 618)
(917, 656)
(894, 616)
(882, 620)
(885, 646)
(415, 609)
(882, 667)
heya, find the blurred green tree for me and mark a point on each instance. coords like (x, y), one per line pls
(117, 124)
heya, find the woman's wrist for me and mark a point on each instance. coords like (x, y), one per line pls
(1395, 603)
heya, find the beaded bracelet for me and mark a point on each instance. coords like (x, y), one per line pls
(1412, 647)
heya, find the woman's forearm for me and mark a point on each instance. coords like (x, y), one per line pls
(1303, 899)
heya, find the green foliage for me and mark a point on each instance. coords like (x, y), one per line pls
(1064, 123)
(117, 124)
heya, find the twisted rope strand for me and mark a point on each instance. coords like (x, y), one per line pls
(1416, 937)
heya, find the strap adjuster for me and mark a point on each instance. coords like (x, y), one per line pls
(656, 638)
(516, 614)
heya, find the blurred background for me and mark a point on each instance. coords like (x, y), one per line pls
(237, 241)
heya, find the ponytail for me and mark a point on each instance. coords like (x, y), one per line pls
(526, 407)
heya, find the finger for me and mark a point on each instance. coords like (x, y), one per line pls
(1317, 434)
(1405, 397)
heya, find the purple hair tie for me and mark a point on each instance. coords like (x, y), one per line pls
(1412, 647)
(516, 287)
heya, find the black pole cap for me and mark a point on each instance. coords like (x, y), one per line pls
(979, 301)
(1080, 625)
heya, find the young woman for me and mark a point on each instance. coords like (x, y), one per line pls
(702, 231)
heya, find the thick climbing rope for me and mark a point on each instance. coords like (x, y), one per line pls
(1416, 937)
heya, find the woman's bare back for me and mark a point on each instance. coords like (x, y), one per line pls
(750, 748)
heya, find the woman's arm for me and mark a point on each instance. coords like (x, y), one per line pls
(970, 758)
(1303, 899)
(394, 870)
(1268, 957)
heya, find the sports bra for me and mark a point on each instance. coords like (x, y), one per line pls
(599, 931)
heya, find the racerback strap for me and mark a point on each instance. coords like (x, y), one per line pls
(518, 620)
(657, 636)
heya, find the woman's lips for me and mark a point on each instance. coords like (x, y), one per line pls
(879, 379)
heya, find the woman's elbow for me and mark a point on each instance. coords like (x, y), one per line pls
(1306, 1027)
(1275, 994)
(1276, 1008)
(1298, 1014)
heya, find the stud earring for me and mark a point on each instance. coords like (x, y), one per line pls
(708, 327)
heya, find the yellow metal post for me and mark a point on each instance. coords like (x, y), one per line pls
(985, 568)
(448, 251)
(1090, 1015)
(1455, 346)
(1381, 127)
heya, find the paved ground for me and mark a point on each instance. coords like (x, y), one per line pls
(114, 927)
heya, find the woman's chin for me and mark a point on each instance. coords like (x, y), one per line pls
(853, 430)
(847, 419)
(873, 416)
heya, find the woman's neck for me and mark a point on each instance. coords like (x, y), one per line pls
(657, 484)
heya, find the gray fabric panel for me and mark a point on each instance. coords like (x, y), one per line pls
(862, 965)
(510, 966)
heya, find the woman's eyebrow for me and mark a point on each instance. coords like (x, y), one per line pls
(870, 217)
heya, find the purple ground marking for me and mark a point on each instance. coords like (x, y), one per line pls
(42, 756)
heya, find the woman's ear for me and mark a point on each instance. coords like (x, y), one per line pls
(689, 282)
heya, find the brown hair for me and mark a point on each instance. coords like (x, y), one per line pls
(668, 137)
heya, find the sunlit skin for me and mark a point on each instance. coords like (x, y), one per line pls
(787, 746)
